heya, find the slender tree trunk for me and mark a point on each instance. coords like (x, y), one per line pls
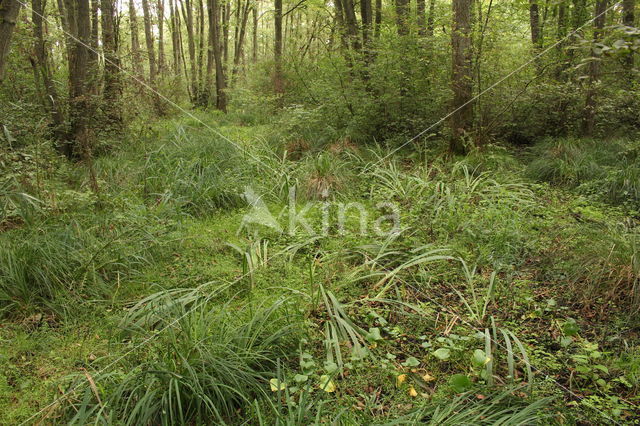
(161, 55)
(136, 57)
(628, 19)
(277, 49)
(148, 35)
(226, 18)
(534, 23)
(591, 103)
(214, 45)
(462, 79)
(93, 52)
(351, 22)
(202, 97)
(41, 53)
(421, 18)
(239, 42)
(366, 13)
(80, 108)
(431, 18)
(112, 78)
(187, 15)
(254, 43)
(402, 16)
(9, 10)
(376, 30)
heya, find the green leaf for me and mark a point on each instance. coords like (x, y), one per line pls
(374, 335)
(479, 358)
(330, 367)
(570, 328)
(300, 378)
(442, 354)
(411, 362)
(460, 382)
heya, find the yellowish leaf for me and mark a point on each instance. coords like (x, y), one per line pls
(412, 392)
(428, 378)
(277, 385)
(400, 379)
(326, 384)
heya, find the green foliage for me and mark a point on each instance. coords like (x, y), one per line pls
(49, 266)
(195, 171)
(208, 365)
(501, 408)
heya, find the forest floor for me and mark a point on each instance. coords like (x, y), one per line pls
(468, 292)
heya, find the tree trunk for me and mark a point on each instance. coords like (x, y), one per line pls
(80, 108)
(277, 48)
(136, 58)
(148, 35)
(351, 22)
(628, 19)
(161, 55)
(9, 10)
(93, 52)
(241, 29)
(534, 23)
(202, 97)
(376, 29)
(402, 16)
(421, 18)
(51, 99)
(366, 13)
(187, 15)
(431, 18)
(591, 103)
(216, 53)
(462, 80)
(175, 38)
(112, 83)
(254, 43)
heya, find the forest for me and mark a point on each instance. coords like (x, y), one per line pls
(327, 212)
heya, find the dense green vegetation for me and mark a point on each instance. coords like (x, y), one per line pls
(319, 212)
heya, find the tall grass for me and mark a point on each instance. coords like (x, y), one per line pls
(53, 266)
(197, 172)
(207, 368)
(498, 409)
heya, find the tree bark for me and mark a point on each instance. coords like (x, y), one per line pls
(402, 16)
(254, 34)
(462, 80)
(628, 19)
(421, 19)
(277, 48)
(431, 18)
(216, 53)
(136, 58)
(175, 37)
(80, 108)
(9, 10)
(161, 55)
(148, 35)
(534, 23)
(41, 53)
(591, 103)
(241, 31)
(376, 30)
(112, 78)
